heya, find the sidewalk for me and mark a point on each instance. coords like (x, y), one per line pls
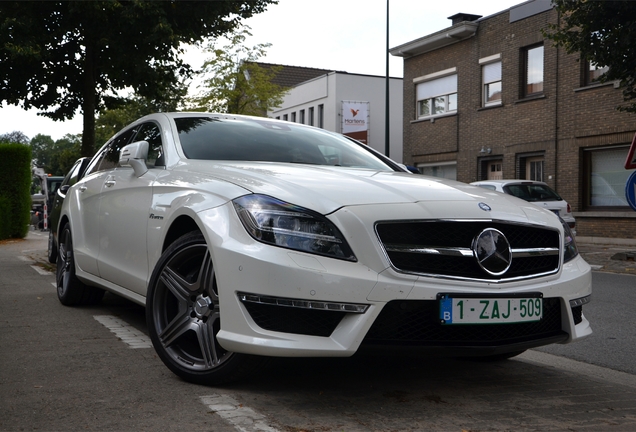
(609, 258)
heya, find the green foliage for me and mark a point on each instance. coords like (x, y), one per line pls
(65, 56)
(14, 137)
(604, 33)
(15, 182)
(235, 83)
(56, 158)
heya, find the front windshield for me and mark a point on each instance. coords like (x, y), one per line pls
(245, 139)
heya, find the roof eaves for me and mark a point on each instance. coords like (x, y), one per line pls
(441, 39)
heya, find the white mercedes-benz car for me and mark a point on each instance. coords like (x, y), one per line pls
(247, 237)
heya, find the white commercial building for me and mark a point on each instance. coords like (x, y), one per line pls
(348, 103)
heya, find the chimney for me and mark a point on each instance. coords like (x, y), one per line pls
(461, 17)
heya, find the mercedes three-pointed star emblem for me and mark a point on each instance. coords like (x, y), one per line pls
(492, 251)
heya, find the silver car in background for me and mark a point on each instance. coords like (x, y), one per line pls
(535, 192)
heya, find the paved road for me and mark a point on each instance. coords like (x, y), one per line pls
(611, 312)
(90, 368)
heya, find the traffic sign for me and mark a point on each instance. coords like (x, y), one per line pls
(630, 190)
(630, 162)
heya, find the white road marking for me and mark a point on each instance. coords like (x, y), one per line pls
(124, 331)
(41, 271)
(241, 417)
(24, 258)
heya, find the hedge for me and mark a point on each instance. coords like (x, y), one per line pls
(15, 184)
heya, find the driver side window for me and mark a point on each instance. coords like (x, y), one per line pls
(108, 157)
(152, 133)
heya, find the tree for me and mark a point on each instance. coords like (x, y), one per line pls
(14, 137)
(604, 33)
(235, 83)
(41, 148)
(55, 157)
(66, 56)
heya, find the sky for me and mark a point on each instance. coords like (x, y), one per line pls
(342, 35)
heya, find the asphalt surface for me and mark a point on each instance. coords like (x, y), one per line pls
(66, 369)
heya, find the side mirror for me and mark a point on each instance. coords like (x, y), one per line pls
(134, 155)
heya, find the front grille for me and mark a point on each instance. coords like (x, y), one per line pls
(416, 323)
(444, 248)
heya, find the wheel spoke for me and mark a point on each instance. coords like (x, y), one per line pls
(206, 277)
(176, 328)
(181, 288)
(207, 341)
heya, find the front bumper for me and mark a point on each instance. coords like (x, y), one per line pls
(259, 285)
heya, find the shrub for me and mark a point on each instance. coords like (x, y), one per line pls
(15, 183)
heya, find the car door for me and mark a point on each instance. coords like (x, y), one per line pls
(85, 200)
(123, 219)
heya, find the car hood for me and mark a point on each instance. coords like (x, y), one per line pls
(326, 189)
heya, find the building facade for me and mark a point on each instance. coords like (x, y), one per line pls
(350, 104)
(492, 98)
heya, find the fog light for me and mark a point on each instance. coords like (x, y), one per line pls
(580, 301)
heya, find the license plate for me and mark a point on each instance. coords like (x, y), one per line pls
(461, 310)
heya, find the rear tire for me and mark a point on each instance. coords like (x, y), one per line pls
(70, 290)
(182, 313)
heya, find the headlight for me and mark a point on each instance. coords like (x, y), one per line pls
(569, 244)
(278, 223)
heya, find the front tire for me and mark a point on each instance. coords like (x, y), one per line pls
(70, 290)
(183, 316)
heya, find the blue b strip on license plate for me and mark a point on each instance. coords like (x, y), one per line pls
(456, 310)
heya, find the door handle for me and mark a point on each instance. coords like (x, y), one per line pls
(109, 183)
(82, 188)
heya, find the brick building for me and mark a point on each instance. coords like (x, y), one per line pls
(492, 98)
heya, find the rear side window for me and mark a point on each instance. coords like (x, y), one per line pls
(532, 192)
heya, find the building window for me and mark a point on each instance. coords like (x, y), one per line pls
(592, 72)
(310, 114)
(491, 80)
(533, 71)
(285, 117)
(437, 96)
(301, 115)
(446, 170)
(293, 116)
(606, 177)
(534, 169)
(531, 166)
(321, 116)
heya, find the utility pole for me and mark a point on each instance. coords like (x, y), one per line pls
(387, 104)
